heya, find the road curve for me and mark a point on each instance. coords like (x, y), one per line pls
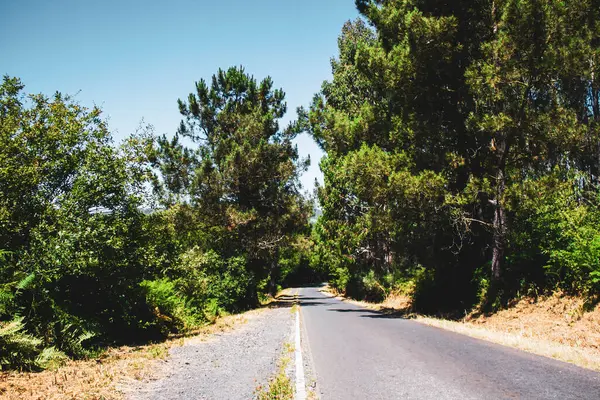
(361, 354)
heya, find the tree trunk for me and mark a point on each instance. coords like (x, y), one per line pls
(499, 227)
(499, 239)
(274, 274)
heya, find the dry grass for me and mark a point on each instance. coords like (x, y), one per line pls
(583, 357)
(93, 379)
(108, 376)
(558, 318)
(287, 292)
(282, 294)
(330, 291)
(280, 386)
(556, 326)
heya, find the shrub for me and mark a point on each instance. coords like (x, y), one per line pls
(18, 350)
(373, 289)
(206, 278)
(172, 310)
(340, 278)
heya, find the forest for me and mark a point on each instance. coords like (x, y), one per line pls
(462, 169)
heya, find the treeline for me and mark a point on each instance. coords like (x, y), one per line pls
(102, 244)
(463, 152)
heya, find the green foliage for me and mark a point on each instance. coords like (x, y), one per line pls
(51, 358)
(340, 278)
(558, 230)
(170, 306)
(18, 349)
(247, 175)
(467, 150)
(207, 278)
(89, 257)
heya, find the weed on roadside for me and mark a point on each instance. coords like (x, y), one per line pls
(280, 386)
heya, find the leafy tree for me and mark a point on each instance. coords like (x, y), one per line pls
(89, 257)
(437, 116)
(247, 178)
(70, 222)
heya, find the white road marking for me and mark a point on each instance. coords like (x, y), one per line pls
(300, 382)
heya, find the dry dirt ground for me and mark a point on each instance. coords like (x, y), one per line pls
(558, 318)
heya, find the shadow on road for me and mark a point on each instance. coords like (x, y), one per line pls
(282, 301)
(392, 315)
(373, 313)
(303, 298)
(313, 303)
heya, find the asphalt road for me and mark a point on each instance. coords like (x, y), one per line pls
(361, 354)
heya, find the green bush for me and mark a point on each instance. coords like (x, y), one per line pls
(340, 278)
(205, 277)
(577, 266)
(556, 235)
(374, 290)
(172, 309)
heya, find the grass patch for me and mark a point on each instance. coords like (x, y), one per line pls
(89, 379)
(311, 394)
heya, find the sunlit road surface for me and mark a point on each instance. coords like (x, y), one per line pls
(362, 354)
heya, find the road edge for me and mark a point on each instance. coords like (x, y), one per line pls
(300, 378)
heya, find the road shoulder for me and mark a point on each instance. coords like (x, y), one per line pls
(224, 366)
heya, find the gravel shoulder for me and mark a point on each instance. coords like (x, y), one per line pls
(223, 366)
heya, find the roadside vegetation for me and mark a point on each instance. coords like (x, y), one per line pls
(105, 245)
(109, 375)
(462, 150)
(280, 386)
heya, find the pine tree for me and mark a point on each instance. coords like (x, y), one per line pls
(247, 178)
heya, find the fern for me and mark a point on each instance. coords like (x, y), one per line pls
(26, 282)
(4, 254)
(72, 338)
(6, 301)
(18, 350)
(51, 358)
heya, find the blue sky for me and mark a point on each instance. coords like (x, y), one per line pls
(136, 58)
